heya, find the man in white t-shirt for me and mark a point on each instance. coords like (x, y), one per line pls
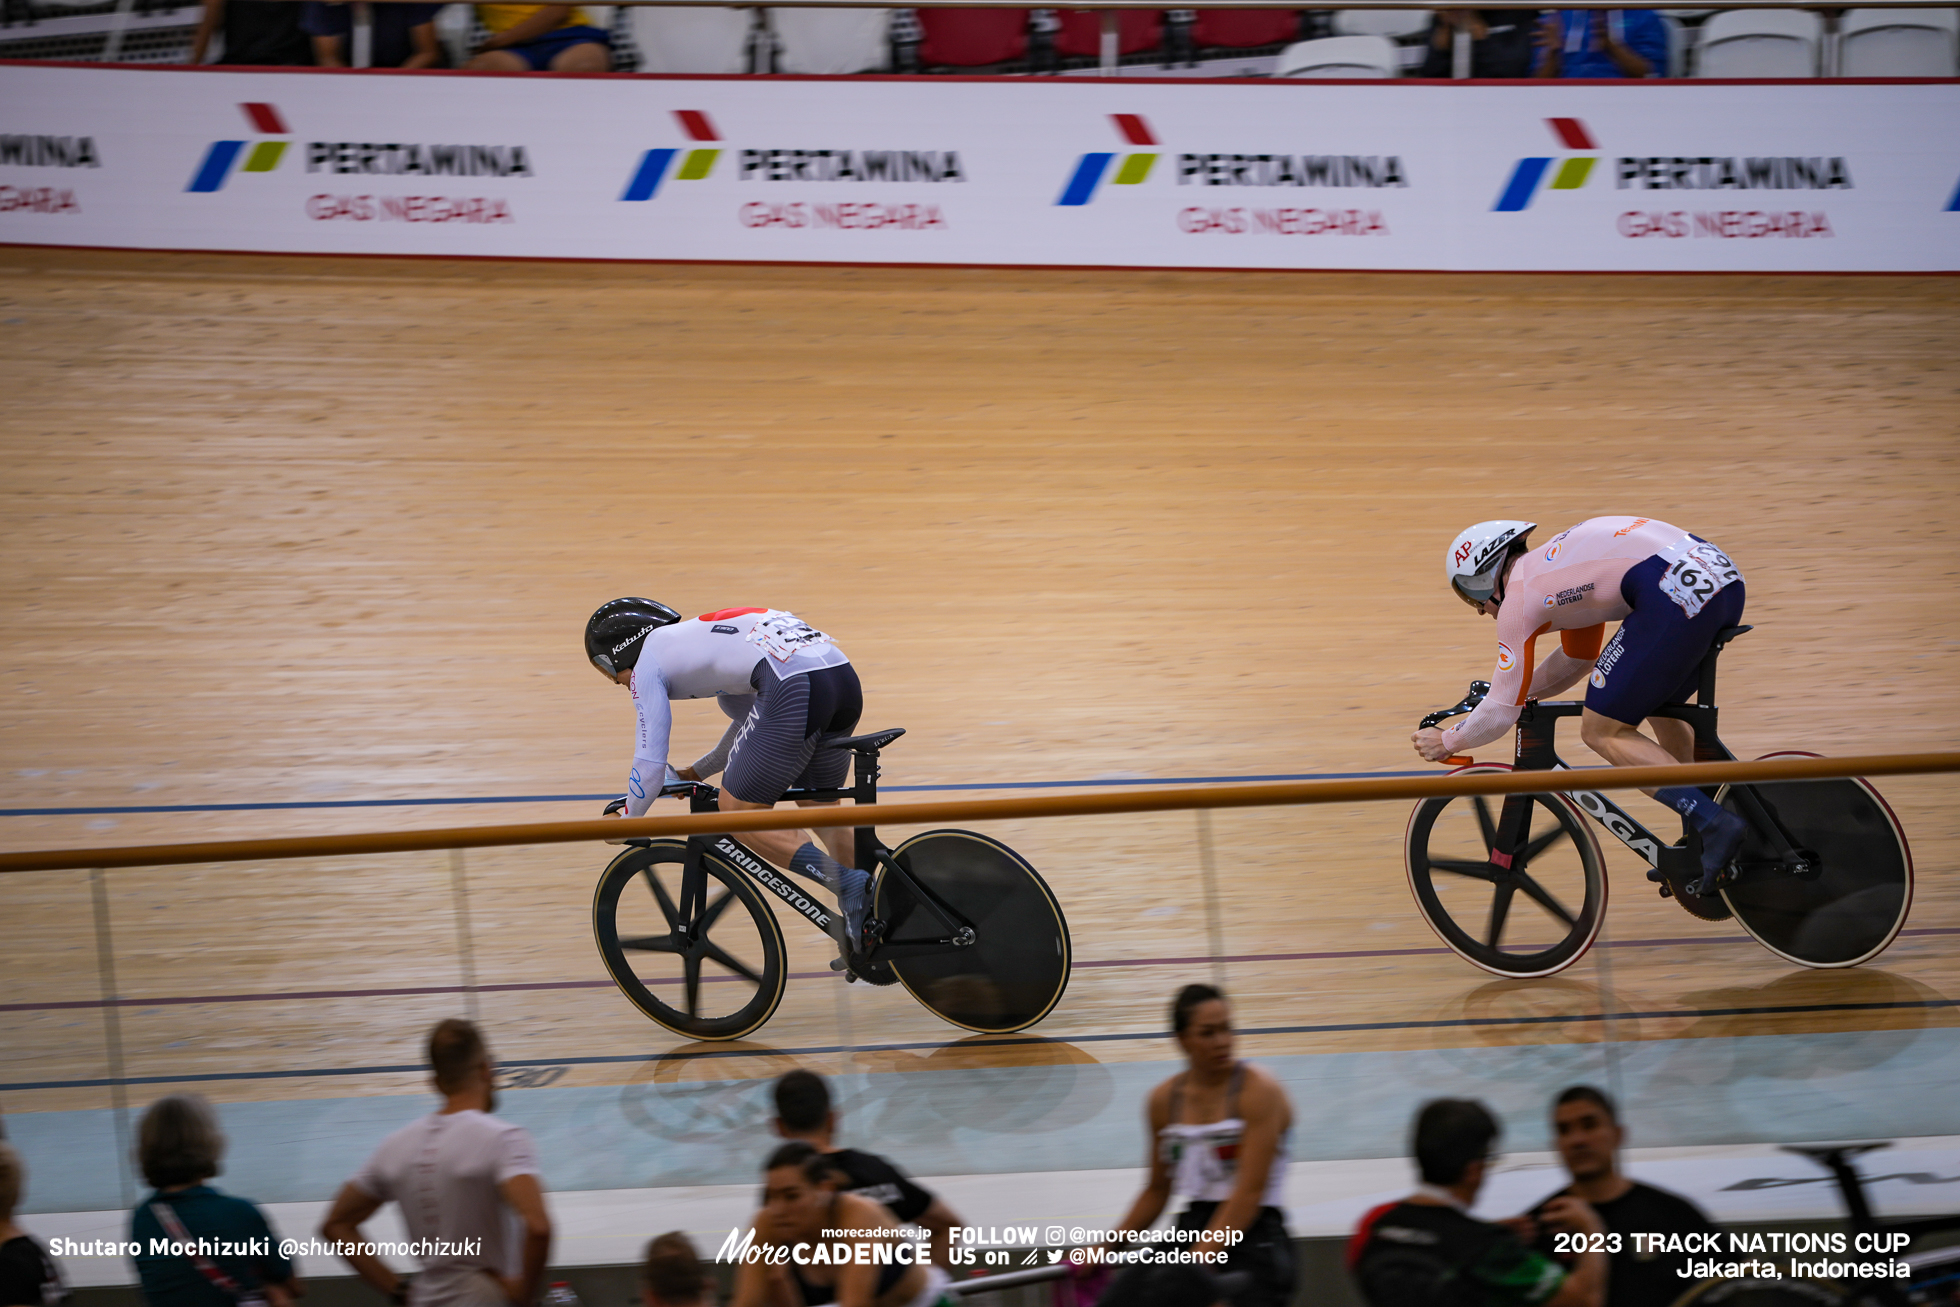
(461, 1176)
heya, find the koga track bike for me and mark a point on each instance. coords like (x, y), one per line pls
(1823, 879)
(687, 931)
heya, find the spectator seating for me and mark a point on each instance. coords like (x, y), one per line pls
(1403, 26)
(1339, 56)
(691, 39)
(1759, 43)
(972, 38)
(1391, 23)
(1678, 41)
(1080, 32)
(1239, 29)
(1897, 43)
(828, 41)
(457, 32)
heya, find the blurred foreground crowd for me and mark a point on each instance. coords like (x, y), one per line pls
(468, 1184)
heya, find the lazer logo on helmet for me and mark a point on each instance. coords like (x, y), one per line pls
(725, 629)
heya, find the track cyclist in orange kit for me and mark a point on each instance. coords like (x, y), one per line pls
(1671, 592)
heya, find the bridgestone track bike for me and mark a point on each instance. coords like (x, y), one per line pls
(960, 920)
(1823, 879)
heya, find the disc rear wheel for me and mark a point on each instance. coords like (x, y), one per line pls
(1854, 901)
(719, 980)
(1531, 913)
(1016, 968)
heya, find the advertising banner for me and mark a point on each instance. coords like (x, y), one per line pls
(1553, 176)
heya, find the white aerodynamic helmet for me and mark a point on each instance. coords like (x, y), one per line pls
(1476, 557)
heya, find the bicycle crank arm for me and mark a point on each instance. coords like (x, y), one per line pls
(1801, 863)
(921, 948)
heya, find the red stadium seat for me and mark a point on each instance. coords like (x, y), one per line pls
(1136, 29)
(972, 38)
(1239, 28)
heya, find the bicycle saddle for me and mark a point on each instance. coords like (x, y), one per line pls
(1729, 633)
(875, 740)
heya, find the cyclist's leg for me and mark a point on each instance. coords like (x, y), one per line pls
(781, 748)
(766, 759)
(1653, 659)
(1675, 735)
(836, 704)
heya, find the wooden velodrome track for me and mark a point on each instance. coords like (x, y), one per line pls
(285, 530)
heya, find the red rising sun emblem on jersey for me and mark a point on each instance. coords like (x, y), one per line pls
(1506, 660)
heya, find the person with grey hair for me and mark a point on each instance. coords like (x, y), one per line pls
(179, 1148)
(28, 1276)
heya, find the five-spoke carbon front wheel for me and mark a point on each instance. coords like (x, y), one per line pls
(1532, 912)
(719, 980)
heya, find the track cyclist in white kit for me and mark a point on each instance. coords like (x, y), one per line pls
(1672, 594)
(787, 690)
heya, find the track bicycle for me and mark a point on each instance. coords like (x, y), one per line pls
(964, 923)
(1823, 879)
(1934, 1273)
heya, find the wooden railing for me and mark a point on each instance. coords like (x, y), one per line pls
(969, 810)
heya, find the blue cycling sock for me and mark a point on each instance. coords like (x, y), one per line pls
(1691, 803)
(811, 861)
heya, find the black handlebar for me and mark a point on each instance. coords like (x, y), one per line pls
(1478, 689)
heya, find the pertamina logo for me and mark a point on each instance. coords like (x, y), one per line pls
(652, 170)
(1235, 169)
(805, 165)
(44, 152)
(1089, 169)
(370, 158)
(1686, 173)
(1572, 173)
(216, 169)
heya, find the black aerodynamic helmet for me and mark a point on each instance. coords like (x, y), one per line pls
(618, 631)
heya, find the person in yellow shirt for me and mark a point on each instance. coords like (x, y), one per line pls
(540, 38)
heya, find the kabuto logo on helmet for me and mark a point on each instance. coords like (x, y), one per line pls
(617, 632)
(644, 631)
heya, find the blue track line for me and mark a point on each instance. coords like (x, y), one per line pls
(1443, 1023)
(120, 810)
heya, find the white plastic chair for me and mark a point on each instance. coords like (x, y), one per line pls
(1759, 43)
(1898, 43)
(1338, 56)
(831, 41)
(690, 40)
(1677, 46)
(1391, 23)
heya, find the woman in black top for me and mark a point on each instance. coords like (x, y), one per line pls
(800, 1202)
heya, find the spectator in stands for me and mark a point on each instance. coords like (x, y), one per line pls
(260, 32)
(1601, 43)
(178, 1148)
(803, 1112)
(403, 35)
(28, 1276)
(671, 1275)
(1500, 42)
(1428, 1249)
(800, 1202)
(1216, 1133)
(461, 1176)
(1589, 1135)
(540, 38)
